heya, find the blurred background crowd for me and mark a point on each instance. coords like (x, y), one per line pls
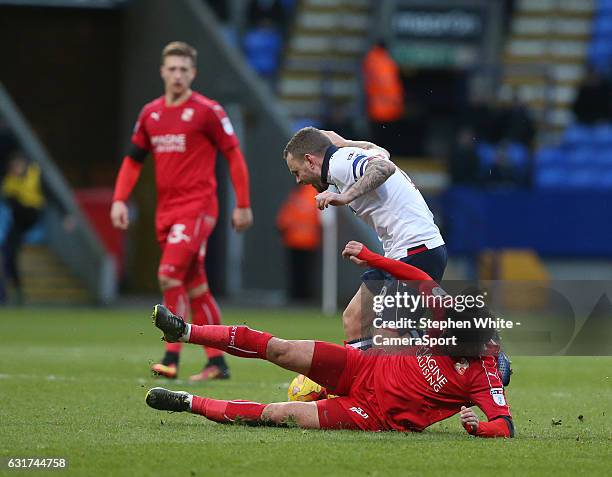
(500, 110)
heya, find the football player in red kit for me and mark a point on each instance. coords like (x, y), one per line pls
(183, 131)
(377, 391)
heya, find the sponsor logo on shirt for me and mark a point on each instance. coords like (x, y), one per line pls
(361, 412)
(227, 126)
(498, 396)
(430, 369)
(169, 143)
(187, 114)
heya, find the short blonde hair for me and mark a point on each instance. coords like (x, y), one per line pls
(307, 140)
(179, 48)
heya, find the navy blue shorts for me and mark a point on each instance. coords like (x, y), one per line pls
(432, 262)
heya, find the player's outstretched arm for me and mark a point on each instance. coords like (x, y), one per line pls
(126, 180)
(498, 427)
(358, 253)
(339, 141)
(242, 216)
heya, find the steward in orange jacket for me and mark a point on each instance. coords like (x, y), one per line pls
(383, 86)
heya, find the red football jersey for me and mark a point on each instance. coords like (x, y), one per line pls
(413, 392)
(184, 141)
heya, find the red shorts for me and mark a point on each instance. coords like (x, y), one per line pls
(183, 243)
(356, 407)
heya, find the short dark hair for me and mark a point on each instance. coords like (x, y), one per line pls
(307, 140)
(179, 48)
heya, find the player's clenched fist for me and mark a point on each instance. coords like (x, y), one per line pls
(119, 215)
(468, 419)
(242, 219)
(325, 199)
(351, 250)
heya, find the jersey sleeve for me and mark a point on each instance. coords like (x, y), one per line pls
(487, 390)
(219, 129)
(140, 137)
(344, 172)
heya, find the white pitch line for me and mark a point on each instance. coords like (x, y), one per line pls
(151, 380)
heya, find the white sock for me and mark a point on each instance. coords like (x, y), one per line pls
(189, 399)
(187, 334)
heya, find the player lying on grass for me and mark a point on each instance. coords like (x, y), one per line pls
(377, 392)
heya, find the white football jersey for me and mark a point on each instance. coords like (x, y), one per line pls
(396, 209)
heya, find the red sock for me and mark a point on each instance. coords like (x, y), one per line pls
(176, 300)
(227, 411)
(204, 311)
(237, 340)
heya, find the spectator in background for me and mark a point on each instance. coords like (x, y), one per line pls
(300, 227)
(464, 166)
(22, 189)
(593, 102)
(384, 94)
(517, 123)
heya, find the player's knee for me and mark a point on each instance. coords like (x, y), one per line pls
(166, 282)
(279, 351)
(197, 290)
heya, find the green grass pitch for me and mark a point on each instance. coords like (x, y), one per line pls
(72, 384)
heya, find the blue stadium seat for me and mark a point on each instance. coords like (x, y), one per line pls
(577, 134)
(262, 47)
(602, 26)
(550, 177)
(581, 178)
(602, 134)
(581, 155)
(548, 156)
(518, 154)
(486, 154)
(603, 6)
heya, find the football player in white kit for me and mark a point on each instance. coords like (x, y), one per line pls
(383, 196)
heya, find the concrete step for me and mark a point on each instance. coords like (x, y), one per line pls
(331, 21)
(529, 26)
(310, 87)
(47, 281)
(330, 63)
(337, 44)
(337, 5)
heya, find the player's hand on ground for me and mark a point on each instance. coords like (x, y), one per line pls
(325, 199)
(351, 250)
(119, 215)
(242, 218)
(469, 419)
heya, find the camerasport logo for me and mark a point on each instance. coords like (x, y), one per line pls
(169, 143)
